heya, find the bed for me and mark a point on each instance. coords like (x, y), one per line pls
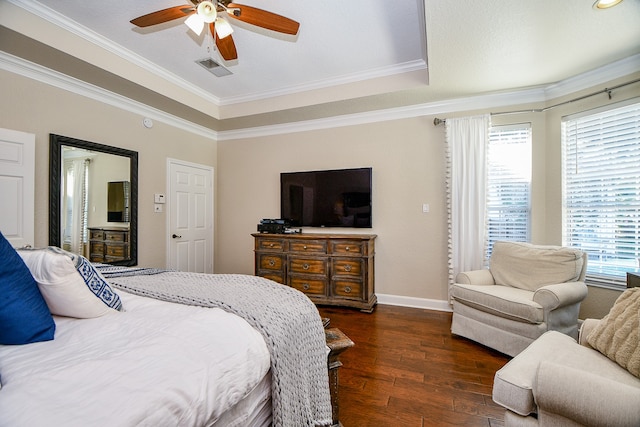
(144, 347)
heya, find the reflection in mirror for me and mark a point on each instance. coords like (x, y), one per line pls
(84, 216)
(118, 201)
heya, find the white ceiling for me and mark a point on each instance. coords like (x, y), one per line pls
(348, 52)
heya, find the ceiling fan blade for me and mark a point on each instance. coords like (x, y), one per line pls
(164, 15)
(226, 46)
(264, 19)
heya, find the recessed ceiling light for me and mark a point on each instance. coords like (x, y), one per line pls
(605, 4)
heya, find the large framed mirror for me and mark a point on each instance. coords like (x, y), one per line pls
(93, 200)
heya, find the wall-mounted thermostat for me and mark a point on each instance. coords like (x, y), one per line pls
(158, 198)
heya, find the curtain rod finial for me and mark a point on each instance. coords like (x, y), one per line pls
(438, 121)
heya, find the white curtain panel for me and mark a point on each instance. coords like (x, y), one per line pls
(467, 140)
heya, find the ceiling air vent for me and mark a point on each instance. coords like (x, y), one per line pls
(213, 67)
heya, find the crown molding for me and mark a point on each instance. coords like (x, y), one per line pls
(53, 78)
(418, 110)
(568, 86)
(406, 67)
(601, 75)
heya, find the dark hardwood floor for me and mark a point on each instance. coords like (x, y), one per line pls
(406, 369)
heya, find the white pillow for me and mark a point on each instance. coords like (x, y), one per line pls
(69, 283)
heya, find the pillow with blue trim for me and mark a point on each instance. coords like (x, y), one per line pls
(70, 284)
(24, 316)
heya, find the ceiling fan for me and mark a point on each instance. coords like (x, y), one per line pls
(208, 12)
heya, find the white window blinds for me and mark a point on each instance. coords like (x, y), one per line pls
(508, 184)
(601, 195)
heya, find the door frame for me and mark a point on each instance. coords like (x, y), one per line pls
(19, 166)
(210, 170)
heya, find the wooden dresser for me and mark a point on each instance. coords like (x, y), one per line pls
(108, 244)
(331, 269)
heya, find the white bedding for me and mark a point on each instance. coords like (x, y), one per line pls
(155, 364)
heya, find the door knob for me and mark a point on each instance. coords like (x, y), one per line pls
(175, 236)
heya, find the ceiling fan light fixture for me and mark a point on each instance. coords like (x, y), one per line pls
(223, 28)
(195, 23)
(207, 11)
(605, 4)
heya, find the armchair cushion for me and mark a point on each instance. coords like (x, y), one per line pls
(503, 301)
(526, 266)
(617, 334)
(577, 395)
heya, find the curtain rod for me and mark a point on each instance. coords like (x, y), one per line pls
(608, 91)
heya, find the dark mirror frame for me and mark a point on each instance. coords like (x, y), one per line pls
(56, 142)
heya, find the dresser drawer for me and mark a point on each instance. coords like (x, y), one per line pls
(115, 236)
(346, 267)
(275, 276)
(96, 234)
(346, 247)
(308, 246)
(118, 251)
(308, 285)
(270, 262)
(308, 265)
(270, 245)
(347, 289)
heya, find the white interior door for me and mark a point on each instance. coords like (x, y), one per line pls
(17, 186)
(190, 217)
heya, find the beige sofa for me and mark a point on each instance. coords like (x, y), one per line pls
(527, 291)
(557, 381)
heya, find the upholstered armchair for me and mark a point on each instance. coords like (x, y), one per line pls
(527, 290)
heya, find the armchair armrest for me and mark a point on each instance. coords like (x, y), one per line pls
(584, 397)
(587, 326)
(560, 295)
(475, 277)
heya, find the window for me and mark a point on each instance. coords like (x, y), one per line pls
(601, 194)
(508, 184)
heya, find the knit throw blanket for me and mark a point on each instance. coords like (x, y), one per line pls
(286, 318)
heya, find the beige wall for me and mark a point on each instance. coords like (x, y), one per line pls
(37, 108)
(407, 157)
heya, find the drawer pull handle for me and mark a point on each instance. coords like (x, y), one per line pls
(305, 286)
(304, 247)
(347, 289)
(270, 245)
(347, 268)
(305, 266)
(347, 249)
(272, 262)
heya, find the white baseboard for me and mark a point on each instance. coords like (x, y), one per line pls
(428, 304)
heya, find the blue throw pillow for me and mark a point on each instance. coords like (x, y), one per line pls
(24, 315)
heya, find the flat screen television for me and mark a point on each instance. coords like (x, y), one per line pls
(327, 198)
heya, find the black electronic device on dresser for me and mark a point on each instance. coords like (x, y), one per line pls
(274, 226)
